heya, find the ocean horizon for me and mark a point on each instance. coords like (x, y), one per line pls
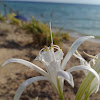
(80, 18)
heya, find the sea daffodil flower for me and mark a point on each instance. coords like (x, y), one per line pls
(92, 82)
(51, 58)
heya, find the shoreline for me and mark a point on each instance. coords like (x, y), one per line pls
(76, 35)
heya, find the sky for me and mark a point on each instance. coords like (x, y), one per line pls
(67, 1)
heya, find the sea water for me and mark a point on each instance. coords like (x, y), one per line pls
(84, 19)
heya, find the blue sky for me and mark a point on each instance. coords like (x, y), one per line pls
(68, 1)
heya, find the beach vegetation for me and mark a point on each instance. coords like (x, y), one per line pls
(14, 20)
(65, 36)
(40, 32)
(2, 19)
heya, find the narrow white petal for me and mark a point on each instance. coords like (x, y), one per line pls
(59, 54)
(46, 57)
(82, 60)
(79, 57)
(25, 84)
(93, 61)
(73, 48)
(82, 67)
(67, 76)
(27, 63)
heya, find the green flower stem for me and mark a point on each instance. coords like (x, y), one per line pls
(60, 92)
(61, 97)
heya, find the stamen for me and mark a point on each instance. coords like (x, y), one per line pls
(46, 48)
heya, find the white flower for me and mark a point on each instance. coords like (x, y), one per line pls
(51, 58)
(95, 64)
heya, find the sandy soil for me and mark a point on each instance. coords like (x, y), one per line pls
(15, 43)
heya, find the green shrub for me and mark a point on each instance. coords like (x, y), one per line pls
(14, 20)
(2, 19)
(40, 32)
(57, 38)
(65, 36)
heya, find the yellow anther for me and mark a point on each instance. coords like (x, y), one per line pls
(51, 45)
(46, 48)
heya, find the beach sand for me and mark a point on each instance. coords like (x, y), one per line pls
(15, 43)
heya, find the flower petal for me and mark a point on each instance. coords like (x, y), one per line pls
(25, 84)
(77, 55)
(82, 67)
(27, 63)
(46, 57)
(82, 61)
(59, 54)
(73, 48)
(67, 76)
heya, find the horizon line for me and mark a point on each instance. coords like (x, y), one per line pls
(52, 2)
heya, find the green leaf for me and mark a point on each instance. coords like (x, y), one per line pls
(36, 98)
